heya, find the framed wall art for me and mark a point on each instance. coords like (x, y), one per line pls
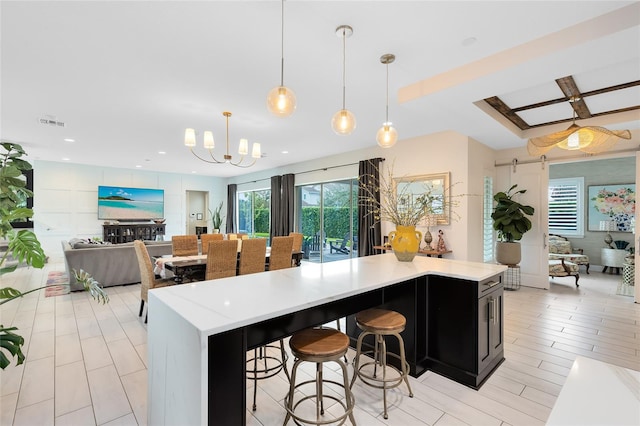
(615, 203)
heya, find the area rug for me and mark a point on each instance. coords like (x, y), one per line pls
(56, 281)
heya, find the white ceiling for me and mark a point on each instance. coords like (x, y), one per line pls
(128, 77)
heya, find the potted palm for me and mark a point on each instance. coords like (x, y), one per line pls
(511, 222)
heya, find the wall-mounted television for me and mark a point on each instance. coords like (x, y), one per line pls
(119, 203)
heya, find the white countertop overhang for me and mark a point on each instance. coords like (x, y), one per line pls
(220, 305)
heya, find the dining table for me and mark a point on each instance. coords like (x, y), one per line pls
(196, 265)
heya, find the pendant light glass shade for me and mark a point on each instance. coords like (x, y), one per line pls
(281, 101)
(343, 121)
(386, 136)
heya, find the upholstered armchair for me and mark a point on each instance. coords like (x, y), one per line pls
(560, 249)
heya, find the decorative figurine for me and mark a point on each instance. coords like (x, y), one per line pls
(441, 244)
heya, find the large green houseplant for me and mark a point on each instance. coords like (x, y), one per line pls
(511, 221)
(216, 218)
(22, 245)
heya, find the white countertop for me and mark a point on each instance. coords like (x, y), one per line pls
(224, 304)
(597, 393)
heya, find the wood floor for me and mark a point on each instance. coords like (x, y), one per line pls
(86, 363)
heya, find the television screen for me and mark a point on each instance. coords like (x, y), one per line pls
(118, 203)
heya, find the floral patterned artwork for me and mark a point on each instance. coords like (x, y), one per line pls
(612, 202)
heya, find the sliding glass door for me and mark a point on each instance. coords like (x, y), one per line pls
(327, 217)
(253, 213)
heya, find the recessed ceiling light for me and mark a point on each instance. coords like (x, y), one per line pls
(193, 171)
(469, 41)
(69, 140)
(138, 166)
(162, 152)
(285, 152)
(65, 159)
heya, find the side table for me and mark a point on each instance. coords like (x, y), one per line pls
(612, 258)
(627, 286)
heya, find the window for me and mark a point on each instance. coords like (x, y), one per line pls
(487, 222)
(566, 215)
(253, 213)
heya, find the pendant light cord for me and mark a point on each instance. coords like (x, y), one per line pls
(344, 67)
(387, 107)
(282, 43)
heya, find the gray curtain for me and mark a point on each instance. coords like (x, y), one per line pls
(232, 189)
(369, 230)
(287, 203)
(276, 185)
(282, 204)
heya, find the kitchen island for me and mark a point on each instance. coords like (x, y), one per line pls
(198, 333)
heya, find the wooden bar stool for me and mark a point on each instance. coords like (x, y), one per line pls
(319, 345)
(381, 323)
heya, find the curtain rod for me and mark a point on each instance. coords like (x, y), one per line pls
(307, 171)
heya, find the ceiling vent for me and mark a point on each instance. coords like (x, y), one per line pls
(49, 120)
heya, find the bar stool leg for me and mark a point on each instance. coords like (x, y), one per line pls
(347, 391)
(292, 388)
(405, 364)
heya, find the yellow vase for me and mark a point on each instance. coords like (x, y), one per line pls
(405, 242)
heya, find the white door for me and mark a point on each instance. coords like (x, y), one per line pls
(534, 266)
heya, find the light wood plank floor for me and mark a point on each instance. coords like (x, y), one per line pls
(86, 363)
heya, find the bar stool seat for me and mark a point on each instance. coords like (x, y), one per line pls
(319, 345)
(381, 323)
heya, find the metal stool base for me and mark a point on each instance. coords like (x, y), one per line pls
(290, 404)
(256, 373)
(380, 360)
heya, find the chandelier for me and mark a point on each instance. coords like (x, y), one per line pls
(243, 149)
(589, 139)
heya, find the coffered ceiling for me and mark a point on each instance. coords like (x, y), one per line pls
(126, 77)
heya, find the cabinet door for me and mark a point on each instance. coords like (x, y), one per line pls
(485, 326)
(490, 337)
(496, 336)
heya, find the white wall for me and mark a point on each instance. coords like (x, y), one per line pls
(466, 159)
(66, 198)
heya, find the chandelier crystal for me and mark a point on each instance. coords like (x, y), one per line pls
(209, 145)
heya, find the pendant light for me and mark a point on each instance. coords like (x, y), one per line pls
(387, 135)
(343, 121)
(281, 101)
(589, 139)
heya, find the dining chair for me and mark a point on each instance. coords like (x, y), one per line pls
(222, 259)
(184, 245)
(148, 279)
(252, 256)
(232, 236)
(205, 239)
(264, 363)
(280, 257)
(297, 244)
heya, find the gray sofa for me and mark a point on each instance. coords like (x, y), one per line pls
(110, 265)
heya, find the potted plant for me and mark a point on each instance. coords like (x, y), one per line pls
(405, 210)
(216, 218)
(23, 245)
(511, 222)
